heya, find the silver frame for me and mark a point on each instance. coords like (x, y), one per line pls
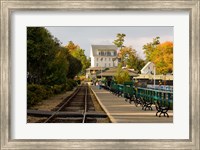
(193, 6)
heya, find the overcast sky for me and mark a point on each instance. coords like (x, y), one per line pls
(135, 36)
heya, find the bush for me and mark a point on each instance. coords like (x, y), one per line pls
(36, 93)
(32, 99)
(70, 84)
(68, 87)
(57, 89)
(49, 91)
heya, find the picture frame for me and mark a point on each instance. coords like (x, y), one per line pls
(7, 7)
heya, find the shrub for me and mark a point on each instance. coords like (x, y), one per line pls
(32, 99)
(70, 84)
(36, 93)
(49, 91)
(57, 89)
(68, 87)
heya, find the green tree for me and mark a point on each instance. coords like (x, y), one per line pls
(121, 75)
(41, 49)
(49, 63)
(130, 58)
(59, 67)
(79, 54)
(150, 47)
(75, 67)
(120, 40)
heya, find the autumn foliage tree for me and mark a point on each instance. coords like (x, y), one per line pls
(161, 54)
(130, 59)
(79, 54)
(71, 46)
(50, 66)
(163, 58)
(127, 55)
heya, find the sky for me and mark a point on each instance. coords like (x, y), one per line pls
(136, 37)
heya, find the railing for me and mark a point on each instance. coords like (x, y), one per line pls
(165, 97)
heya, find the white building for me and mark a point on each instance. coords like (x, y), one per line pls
(148, 68)
(103, 56)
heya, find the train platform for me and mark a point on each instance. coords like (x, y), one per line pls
(121, 111)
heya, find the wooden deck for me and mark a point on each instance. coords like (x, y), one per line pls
(120, 111)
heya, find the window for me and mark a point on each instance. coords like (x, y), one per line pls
(97, 64)
(109, 59)
(105, 65)
(105, 59)
(109, 64)
(108, 53)
(97, 59)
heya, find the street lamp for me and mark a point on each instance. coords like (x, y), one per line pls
(154, 73)
(101, 68)
(126, 59)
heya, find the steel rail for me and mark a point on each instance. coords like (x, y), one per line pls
(85, 110)
(61, 107)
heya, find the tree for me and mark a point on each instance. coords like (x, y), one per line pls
(121, 75)
(162, 57)
(150, 47)
(161, 54)
(130, 58)
(136, 63)
(75, 67)
(59, 67)
(49, 63)
(41, 49)
(120, 40)
(125, 54)
(79, 54)
(71, 46)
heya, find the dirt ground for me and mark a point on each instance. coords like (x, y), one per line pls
(48, 105)
(52, 102)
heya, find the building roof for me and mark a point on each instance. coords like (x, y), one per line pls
(157, 77)
(96, 68)
(102, 47)
(112, 72)
(146, 66)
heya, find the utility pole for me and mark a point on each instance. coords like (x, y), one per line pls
(154, 72)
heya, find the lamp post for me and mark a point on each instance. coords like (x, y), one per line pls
(126, 59)
(101, 68)
(101, 73)
(154, 74)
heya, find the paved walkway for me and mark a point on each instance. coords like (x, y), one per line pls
(120, 111)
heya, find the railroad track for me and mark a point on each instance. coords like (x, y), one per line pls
(78, 108)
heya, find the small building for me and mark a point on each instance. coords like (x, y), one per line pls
(159, 79)
(103, 56)
(92, 71)
(111, 72)
(148, 68)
